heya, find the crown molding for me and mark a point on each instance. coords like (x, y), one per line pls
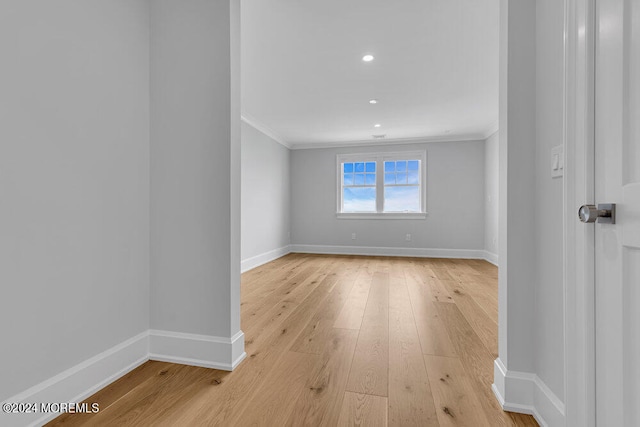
(251, 121)
(492, 130)
(399, 141)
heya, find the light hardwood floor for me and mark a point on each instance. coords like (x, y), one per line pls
(337, 341)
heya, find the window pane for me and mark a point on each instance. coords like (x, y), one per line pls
(370, 179)
(389, 178)
(401, 166)
(348, 167)
(359, 179)
(359, 167)
(401, 178)
(402, 199)
(371, 166)
(389, 166)
(361, 199)
(348, 179)
(413, 177)
(413, 165)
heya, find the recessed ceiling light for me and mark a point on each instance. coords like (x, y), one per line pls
(373, 101)
(367, 58)
(377, 125)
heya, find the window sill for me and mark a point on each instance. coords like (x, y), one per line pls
(359, 215)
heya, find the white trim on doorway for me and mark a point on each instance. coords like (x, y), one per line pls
(579, 253)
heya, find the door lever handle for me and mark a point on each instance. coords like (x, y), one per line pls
(604, 213)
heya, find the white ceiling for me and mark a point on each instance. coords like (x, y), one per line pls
(435, 71)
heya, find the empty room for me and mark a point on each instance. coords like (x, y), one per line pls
(329, 213)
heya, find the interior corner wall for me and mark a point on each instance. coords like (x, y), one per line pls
(529, 375)
(517, 142)
(195, 173)
(455, 183)
(74, 180)
(491, 194)
(549, 351)
(266, 201)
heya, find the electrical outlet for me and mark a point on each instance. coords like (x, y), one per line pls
(353, 236)
(408, 237)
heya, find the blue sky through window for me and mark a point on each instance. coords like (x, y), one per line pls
(402, 199)
(401, 186)
(359, 187)
(359, 199)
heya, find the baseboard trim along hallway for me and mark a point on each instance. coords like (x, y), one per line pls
(197, 350)
(526, 393)
(491, 257)
(389, 251)
(83, 380)
(80, 381)
(266, 257)
(263, 258)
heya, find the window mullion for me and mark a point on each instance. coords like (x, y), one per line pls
(341, 178)
(379, 185)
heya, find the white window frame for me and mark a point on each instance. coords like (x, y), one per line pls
(380, 158)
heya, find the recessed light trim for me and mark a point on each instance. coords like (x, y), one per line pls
(373, 101)
(368, 58)
(377, 125)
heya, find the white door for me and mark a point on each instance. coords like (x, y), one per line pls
(617, 107)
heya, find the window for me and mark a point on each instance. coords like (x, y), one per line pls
(359, 187)
(385, 185)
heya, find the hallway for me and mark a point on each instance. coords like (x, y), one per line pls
(337, 340)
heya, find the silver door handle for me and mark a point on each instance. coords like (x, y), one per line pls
(604, 213)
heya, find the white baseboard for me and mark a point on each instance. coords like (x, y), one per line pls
(528, 394)
(197, 350)
(81, 381)
(491, 257)
(385, 251)
(258, 260)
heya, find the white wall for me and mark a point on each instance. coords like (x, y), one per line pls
(455, 188)
(529, 374)
(517, 252)
(74, 183)
(548, 196)
(195, 167)
(266, 195)
(491, 194)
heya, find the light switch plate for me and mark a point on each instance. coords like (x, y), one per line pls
(557, 161)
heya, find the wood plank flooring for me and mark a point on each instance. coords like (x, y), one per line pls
(336, 341)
